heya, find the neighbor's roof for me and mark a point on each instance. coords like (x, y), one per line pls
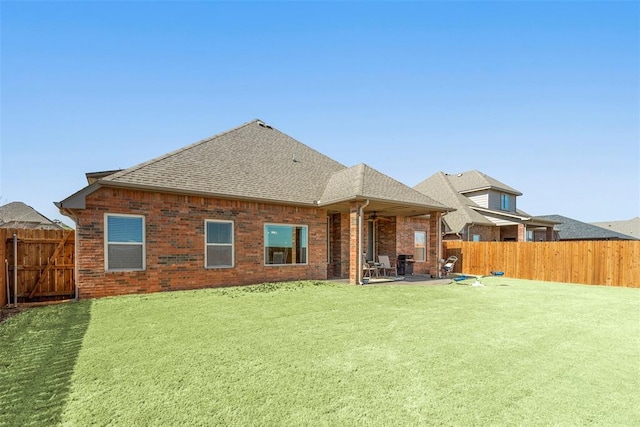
(20, 215)
(571, 229)
(257, 162)
(439, 188)
(450, 189)
(474, 180)
(630, 227)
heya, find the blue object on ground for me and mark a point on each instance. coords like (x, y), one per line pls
(497, 273)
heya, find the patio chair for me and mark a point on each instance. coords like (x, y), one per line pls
(385, 265)
(448, 265)
(369, 267)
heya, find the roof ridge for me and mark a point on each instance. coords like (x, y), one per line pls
(139, 166)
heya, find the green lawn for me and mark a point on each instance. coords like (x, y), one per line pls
(512, 353)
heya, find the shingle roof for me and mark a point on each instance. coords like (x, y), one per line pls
(255, 161)
(365, 182)
(440, 188)
(251, 161)
(20, 215)
(571, 229)
(630, 227)
(475, 180)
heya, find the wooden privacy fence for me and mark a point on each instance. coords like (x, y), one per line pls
(45, 264)
(594, 262)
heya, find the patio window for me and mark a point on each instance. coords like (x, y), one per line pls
(420, 246)
(124, 242)
(218, 244)
(285, 244)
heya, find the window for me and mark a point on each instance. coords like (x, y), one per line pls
(285, 244)
(504, 202)
(420, 246)
(124, 242)
(218, 244)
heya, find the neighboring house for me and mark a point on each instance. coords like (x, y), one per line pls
(571, 229)
(246, 206)
(20, 215)
(485, 209)
(630, 227)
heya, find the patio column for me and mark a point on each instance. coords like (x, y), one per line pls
(434, 243)
(354, 244)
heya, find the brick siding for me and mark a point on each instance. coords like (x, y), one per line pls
(174, 233)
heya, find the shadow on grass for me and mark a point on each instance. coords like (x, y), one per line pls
(38, 352)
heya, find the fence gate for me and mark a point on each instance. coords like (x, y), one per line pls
(44, 266)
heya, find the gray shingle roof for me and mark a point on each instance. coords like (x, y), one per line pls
(475, 180)
(571, 229)
(439, 187)
(20, 215)
(251, 161)
(630, 227)
(365, 182)
(255, 161)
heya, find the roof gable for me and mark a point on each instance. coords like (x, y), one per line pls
(362, 181)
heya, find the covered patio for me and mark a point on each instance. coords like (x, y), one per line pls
(371, 214)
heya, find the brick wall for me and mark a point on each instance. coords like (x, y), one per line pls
(405, 241)
(175, 242)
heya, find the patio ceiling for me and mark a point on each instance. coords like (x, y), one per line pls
(384, 208)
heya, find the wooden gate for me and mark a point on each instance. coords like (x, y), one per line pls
(44, 266)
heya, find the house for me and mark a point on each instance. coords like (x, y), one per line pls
(630, 227)
(245, 206)
(485, 208)
(571, 229)
(20, 215)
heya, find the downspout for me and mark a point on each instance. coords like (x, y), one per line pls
(76, 246)
(469, 232)
(359, 263)
(439, 254)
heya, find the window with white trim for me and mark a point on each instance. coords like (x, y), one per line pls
(420, 246)
(124, 242)
(285, 244)
(218, 244)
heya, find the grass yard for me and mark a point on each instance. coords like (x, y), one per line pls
(512, 353)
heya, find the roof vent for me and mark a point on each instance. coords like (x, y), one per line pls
(264, 125)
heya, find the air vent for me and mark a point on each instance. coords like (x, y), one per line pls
(264, 125)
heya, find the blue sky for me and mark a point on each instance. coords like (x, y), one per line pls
(543, 96)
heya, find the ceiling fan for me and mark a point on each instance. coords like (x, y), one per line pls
(375, 217)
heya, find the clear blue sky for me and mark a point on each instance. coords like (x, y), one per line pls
(541, 95)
